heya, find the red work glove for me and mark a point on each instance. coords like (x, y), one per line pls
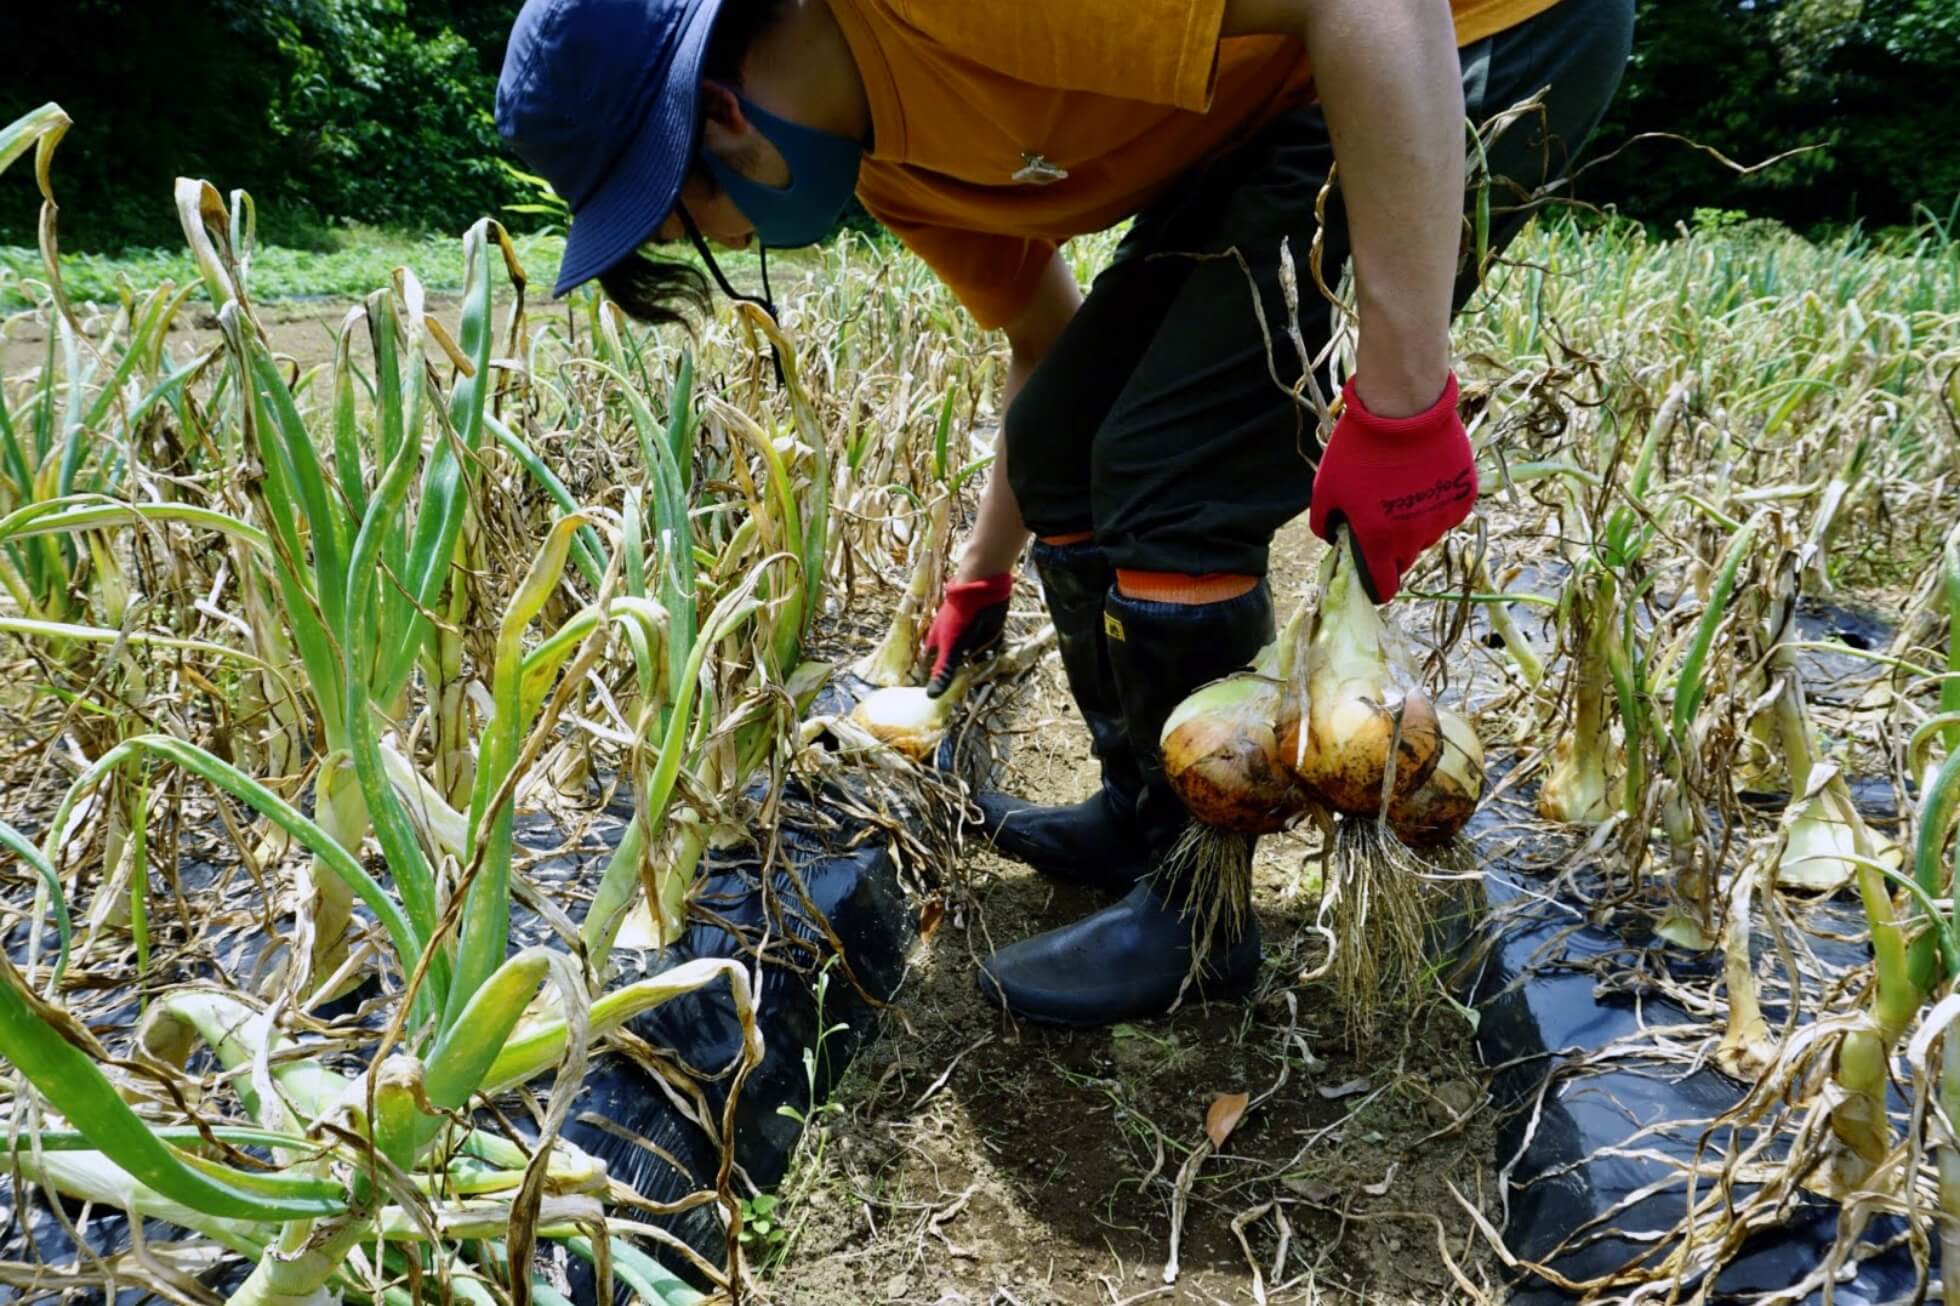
(1398, 484)
(969, 620)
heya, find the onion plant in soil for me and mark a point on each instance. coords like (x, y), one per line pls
(346, 620)
(368, 1176)
(1680, 497)
(349, 501)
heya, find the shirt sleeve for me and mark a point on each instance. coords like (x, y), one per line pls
(994, 277)
(1157, 51)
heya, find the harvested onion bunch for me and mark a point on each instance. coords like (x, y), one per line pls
(1366, 738)
(1331, 713)
(1404, 771)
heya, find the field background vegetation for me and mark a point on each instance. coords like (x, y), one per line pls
(364, 128)
(1703, 625)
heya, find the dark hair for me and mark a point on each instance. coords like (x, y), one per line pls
(657, 291)
(660, 291)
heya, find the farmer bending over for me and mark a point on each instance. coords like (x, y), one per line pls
(1145, 447)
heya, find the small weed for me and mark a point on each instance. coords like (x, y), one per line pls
(814, 1058)
(1140, 1051)
(766, 1235)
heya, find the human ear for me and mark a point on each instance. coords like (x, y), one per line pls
(720, 107)
(728, 134)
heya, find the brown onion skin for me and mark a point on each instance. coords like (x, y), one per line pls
(1226, 770)
(910, 743)
(1349, 778)
(1438, 810)
(1430, 816)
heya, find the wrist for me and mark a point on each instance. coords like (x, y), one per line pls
(983, 559)
(970, 573)
(1400, 374)
(1399, 395)
(1422, 419)
(982, 591)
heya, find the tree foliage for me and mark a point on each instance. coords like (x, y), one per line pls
(379, 111)
(374, 111)
(387, 112)
(1868, 83)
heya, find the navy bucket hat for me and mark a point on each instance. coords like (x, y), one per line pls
(602, 99)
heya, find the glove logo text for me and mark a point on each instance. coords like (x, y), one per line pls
(1451, 489)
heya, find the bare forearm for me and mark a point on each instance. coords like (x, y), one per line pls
(998, 533)
(1392, 91)
(1391, 86)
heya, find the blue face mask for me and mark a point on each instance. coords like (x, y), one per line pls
(823, 172)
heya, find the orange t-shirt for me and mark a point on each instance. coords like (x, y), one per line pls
(1003, 129)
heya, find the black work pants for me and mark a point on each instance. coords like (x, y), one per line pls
(1155, 420)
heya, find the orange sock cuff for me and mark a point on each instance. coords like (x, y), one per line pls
(1072, 537)
(1177, 587)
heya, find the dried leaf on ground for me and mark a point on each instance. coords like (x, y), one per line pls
(1223, 1115)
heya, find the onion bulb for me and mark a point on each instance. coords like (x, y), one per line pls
(1221, 754)
(1828, 838)
(1441, 805)
(1576, 790)
(904, 718)
(1361, 701)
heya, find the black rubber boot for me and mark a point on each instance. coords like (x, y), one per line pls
(1095, 841)
(1131, 960)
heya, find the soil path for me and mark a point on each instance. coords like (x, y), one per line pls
(301, 329)
(970, 1160)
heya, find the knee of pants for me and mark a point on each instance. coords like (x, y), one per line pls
(1576, 53)
(1595, 68)
(1047, 467)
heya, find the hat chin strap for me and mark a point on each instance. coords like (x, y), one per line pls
(766, 301)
